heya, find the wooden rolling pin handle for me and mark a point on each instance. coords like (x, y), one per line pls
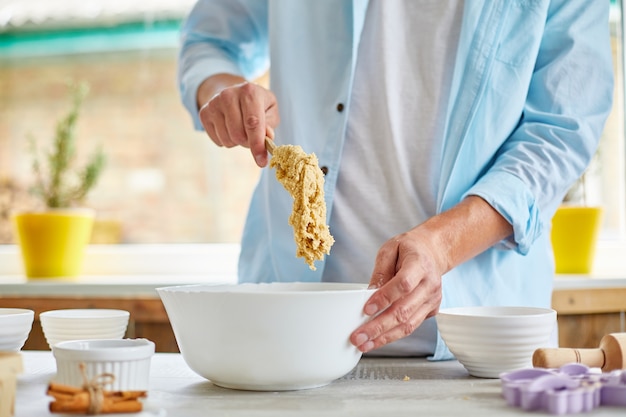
(557, 357)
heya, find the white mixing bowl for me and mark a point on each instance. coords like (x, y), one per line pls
(267, 337)
(492, 340)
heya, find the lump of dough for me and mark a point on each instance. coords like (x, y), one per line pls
(301, 176)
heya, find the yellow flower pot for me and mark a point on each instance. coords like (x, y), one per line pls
(574, 235)
(52, 242)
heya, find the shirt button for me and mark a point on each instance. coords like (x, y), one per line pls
(340, 107)
(324, 170)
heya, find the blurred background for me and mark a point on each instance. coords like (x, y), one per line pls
(163, 182)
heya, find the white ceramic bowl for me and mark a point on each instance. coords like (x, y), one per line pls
(82, 330)
(267, 337)
(15, 326)
(81, 324)
(127, 359)
(87, 336)
(492, 340)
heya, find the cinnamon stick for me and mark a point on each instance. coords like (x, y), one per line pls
(60, 390)
(75, 400)
(91, 398)
(108, 407)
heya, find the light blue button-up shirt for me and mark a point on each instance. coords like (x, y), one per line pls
(531, 89)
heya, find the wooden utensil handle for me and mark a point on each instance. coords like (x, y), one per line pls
(557, 357)
(270, 145)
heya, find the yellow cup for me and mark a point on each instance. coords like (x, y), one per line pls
(52, 242)
(574, 235)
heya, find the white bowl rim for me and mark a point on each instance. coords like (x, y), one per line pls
(507, 312)
(84, 313)
(12, 347)
(7, 336)
(104, 349)
(78, 335)
(13, 339)
(80, 325)
(87, 334)
(15, 327)
(13, 344)
(271, 288)
(16, 312)
(67, 326)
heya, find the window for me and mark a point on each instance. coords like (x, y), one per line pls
(607, 172)
(165, 184)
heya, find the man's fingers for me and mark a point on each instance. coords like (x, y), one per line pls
(228, 104)
(399, 306)
(385, 269)
(240, 115)
(253, 118)
(396, 322)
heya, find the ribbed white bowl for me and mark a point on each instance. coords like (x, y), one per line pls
(59, 339)
(102, 334)
(83, 324)
(80, 325)
(127, 359)
(492, 340)
(15, 326)
(267, 337)
(73, 331)
(85, 316)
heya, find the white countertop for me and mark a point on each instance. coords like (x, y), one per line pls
(569, 282)
(137, 270)
(104, 286)
(145, 285)
(376, 387)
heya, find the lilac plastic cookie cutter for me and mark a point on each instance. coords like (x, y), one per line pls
(570, 389)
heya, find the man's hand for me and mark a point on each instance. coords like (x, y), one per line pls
(409, 268)
(235, 112)
(408, 275)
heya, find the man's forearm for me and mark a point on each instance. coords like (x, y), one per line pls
(465, 231)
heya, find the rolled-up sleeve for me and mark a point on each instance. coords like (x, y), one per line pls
(569, 98)
(227, 36)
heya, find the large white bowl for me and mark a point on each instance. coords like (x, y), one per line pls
(81, 324)
(15, 326)
(492, 340)
(267, 337)
(128, 360)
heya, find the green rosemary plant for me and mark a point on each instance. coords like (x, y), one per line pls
(58, 183)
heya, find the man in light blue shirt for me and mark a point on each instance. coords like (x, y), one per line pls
(448, 133)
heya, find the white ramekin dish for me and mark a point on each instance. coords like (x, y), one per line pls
(15, 326)
(127, 359)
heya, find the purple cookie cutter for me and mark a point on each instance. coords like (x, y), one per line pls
(570, 389)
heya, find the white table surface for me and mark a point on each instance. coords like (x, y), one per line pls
(145, 286)
(376, 387)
